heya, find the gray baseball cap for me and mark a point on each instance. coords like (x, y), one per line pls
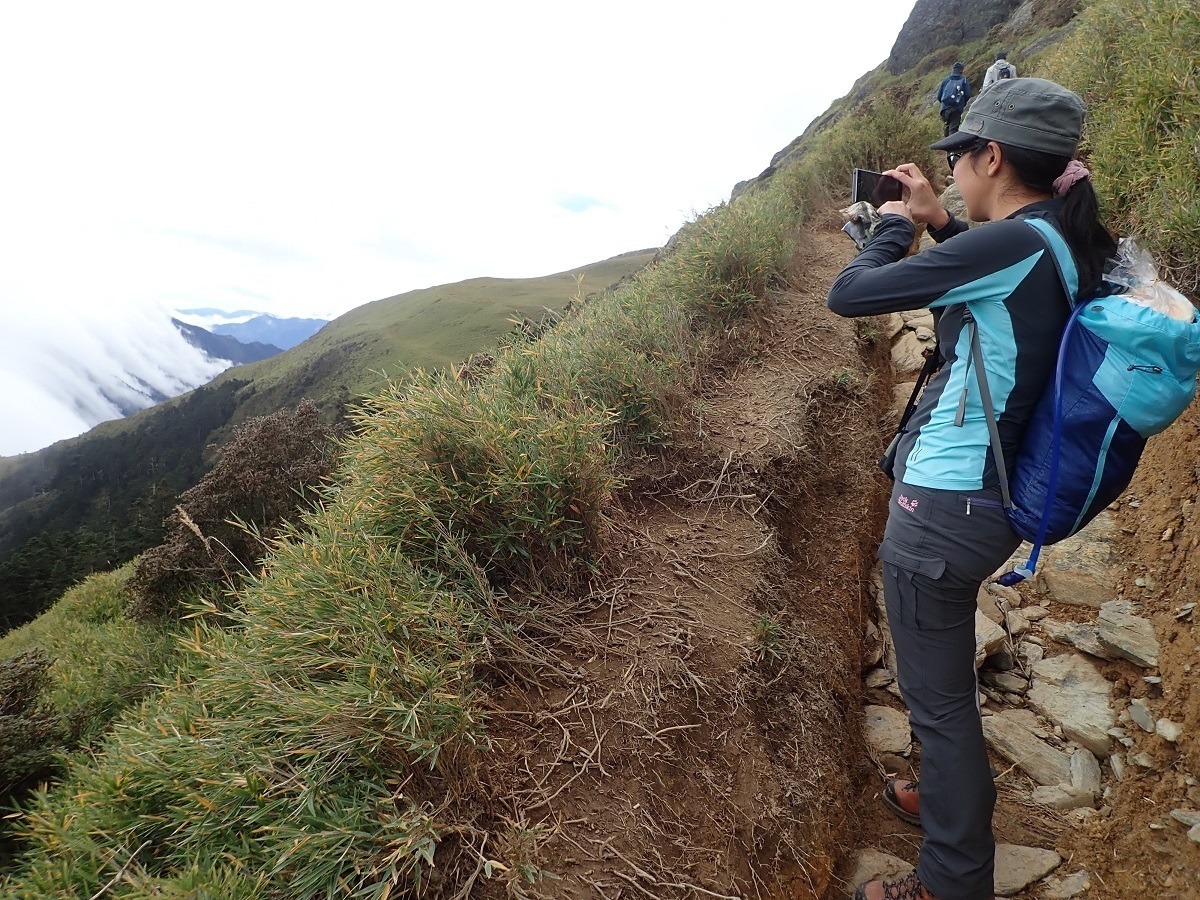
(1031, 113)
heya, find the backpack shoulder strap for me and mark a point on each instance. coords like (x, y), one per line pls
(1064, 261)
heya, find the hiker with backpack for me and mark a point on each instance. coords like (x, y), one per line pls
(953, 94)
(999, 303)
(1000, 70)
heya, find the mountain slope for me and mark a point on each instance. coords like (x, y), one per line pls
(92, 502)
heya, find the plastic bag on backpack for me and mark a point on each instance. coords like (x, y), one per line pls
(1137, 272)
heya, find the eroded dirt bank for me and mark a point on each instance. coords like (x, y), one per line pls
(700, 738)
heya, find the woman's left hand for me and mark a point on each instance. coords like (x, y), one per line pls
(896, 208)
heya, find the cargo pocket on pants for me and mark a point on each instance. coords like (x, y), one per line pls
(921, 600)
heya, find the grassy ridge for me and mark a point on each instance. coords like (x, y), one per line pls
(431, 328)
(316, 744)
(312, 745)
(1137, 64)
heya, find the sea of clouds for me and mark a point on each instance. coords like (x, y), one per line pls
(62, 375)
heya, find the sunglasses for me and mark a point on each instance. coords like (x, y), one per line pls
(953, 157)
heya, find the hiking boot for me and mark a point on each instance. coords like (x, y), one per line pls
(907, 888)
(903, 798)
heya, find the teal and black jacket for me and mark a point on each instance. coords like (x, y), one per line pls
(1004, 275)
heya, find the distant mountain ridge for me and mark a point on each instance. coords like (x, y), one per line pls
(272, 330)
(224, 346)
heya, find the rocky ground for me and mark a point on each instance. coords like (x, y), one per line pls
(1087, 681)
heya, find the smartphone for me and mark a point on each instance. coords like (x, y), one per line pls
(874, 187)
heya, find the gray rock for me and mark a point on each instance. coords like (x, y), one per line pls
(1019, 867)
(1063, 796)
(1194, 834)
(886, 730)
(878, 678)
(872, 863)
(1009, 595)
(1031, 653)
(900, 395)
(1068, 886)
(894, 325)
(1141, 715)
(1085, 771)
(1168, 730)
(1079, 571)
(1012, 733)
(1081, 637)
(907, 354)
(991, 606)
(1142, 760)
(1118, 766)
(1002, 661)
(989, 637)
(1016, 623)
(1188, 817)
(1126, 635)
(1004, 681)
(1035, 613)
(1071, 692)
(917, 318)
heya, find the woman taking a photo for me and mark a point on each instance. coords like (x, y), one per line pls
(946, 532)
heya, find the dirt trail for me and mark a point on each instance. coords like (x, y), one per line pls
(699, 735)
(700, 738)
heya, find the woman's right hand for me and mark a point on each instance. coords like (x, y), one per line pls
(922, 201)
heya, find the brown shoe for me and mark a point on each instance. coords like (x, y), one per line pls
(904, 799)
(907, 888)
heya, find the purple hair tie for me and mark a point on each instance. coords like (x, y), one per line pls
(1075, 171)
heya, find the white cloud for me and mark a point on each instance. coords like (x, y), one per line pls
(304, 158)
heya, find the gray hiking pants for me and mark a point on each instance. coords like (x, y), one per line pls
(938, 548)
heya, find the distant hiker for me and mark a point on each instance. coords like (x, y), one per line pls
(1000, 70)
(946, 531)
(953, 94)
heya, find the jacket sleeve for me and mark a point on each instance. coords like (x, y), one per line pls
(969, 265)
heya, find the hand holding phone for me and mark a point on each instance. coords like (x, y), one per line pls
(874, 187)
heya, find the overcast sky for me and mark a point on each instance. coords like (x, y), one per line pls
(305, 158)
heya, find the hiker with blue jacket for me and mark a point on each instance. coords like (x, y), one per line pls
(946, 532)
(953, 94)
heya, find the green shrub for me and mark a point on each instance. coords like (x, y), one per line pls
(102, 662)
(221, 527)
(30, 734)
(1137, 65)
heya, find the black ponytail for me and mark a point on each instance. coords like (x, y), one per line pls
(1090, 242)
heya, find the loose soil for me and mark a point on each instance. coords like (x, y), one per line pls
(696, 733)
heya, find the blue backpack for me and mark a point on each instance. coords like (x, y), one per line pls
(954, 94)
(1124, 372)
